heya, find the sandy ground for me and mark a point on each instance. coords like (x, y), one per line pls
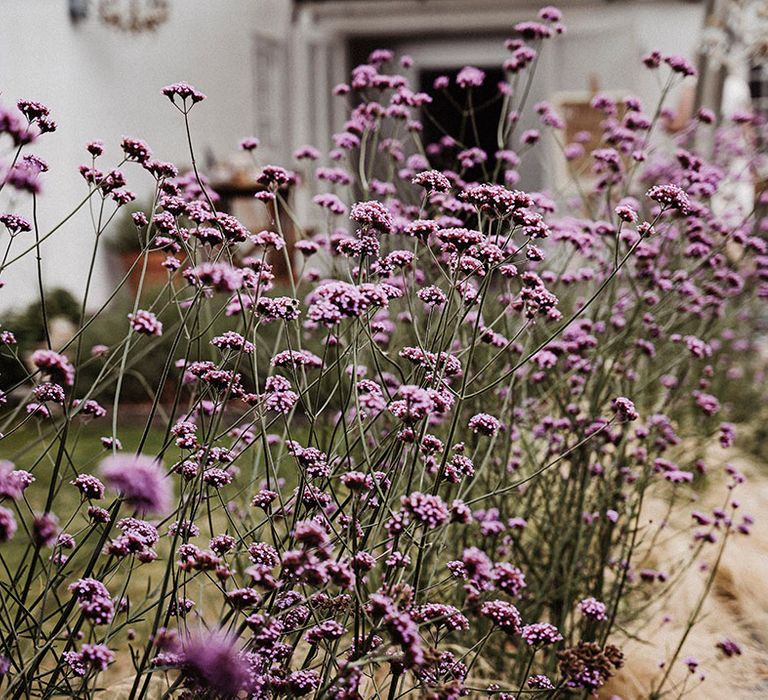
(737, 608)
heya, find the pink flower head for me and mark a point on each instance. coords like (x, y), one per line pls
(670, 196)
(7, 525)
(593, 609)
(469, 76)
(432, 181)
(678, 64)
(183, 91)
(250, 143)
(13, 482)
(146, 323)
(140, 480)
(54, 364)
(485, 424)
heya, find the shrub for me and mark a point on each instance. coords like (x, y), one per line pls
(423, 465)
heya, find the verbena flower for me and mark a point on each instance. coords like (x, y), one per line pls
(139, 480)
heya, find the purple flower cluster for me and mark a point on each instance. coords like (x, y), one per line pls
(441, 440)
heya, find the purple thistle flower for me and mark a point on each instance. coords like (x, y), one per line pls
(233, 341)
(49, 392)
(440, 614)
(15, 223)
(330, 629)
(136, 149)
(89, 486)
(540, 682)
(432, 181)
(373, 215)
(670, 196)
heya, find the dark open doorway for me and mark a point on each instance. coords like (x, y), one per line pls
(448, 114)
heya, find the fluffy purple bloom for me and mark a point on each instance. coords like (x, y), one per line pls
(211, 665)
(540, 633)
(13, 482)
(426, 509)
(330, 202)
(670, 196)
(708, 403)
(729, 647)
(485, 424)
(183, 91)
(7, 525)
(146, 323)
(45, 529)
(503, 614)
(306, 152)
(680, 65)
(140, 480)
(250, 143)
(94, 600)
(509, 579)
(593, 609)
(91, 657)
(469, 76)
(54, 364)
(625, 409)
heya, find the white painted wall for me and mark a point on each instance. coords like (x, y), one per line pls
(604, 39)
(101, 83)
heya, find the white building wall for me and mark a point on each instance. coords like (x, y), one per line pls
(104, 84)
(101, 83)
(604, 41)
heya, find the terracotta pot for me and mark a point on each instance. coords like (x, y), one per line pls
(155, 276)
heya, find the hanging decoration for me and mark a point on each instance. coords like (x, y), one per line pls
(134, 16)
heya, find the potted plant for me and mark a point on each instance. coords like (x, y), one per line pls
(125, 241)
